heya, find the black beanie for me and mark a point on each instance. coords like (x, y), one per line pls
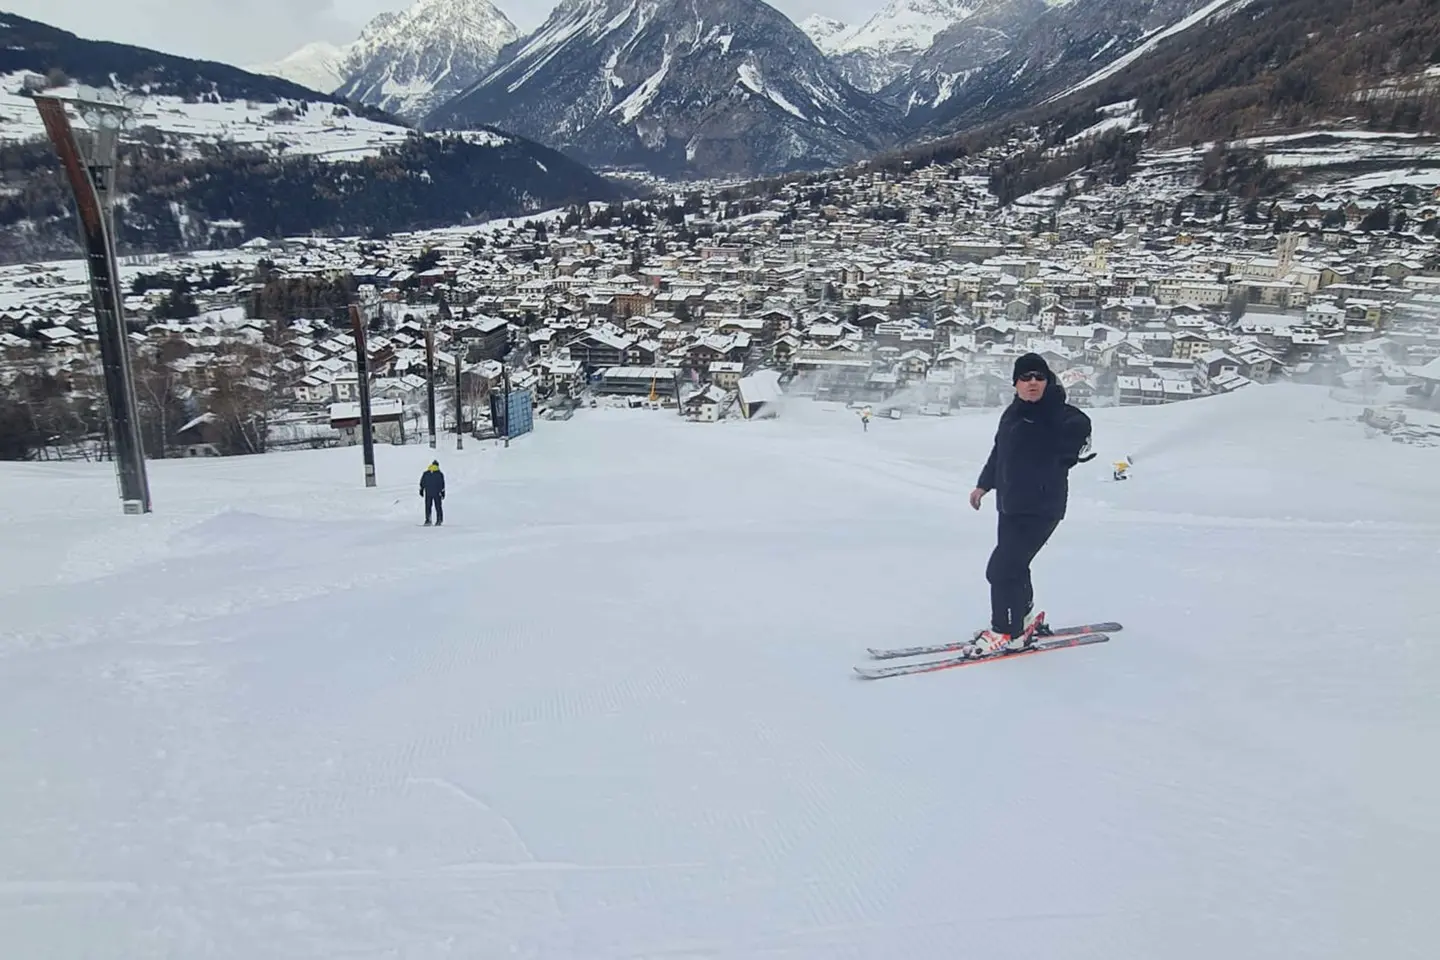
(1032, 363)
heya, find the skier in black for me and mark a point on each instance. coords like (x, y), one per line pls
(1039, 439)
(432, 488)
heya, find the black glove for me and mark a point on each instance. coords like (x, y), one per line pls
(442, 494)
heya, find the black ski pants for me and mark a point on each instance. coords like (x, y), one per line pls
(437, 502)
(1011, 594)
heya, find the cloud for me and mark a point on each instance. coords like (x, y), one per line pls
(233, 31)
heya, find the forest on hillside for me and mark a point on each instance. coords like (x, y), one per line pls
(1271, 66)
(425, 181)
(62, 56)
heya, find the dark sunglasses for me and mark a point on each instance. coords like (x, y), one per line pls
(1030, 376)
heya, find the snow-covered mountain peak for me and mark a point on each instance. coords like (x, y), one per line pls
(477, 23)
(412, 61)
(884, 48)
(707, 87)
(824, 31)
(906, 24)
(318, 66)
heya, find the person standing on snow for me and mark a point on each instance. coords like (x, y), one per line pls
(432, 488)
(1039, 439)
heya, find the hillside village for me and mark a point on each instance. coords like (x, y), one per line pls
(909, 290)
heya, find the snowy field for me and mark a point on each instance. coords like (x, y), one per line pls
(328, 131)
(608, 710)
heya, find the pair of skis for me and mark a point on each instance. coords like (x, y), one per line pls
(1056, 638)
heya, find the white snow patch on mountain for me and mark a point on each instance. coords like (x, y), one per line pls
(634, 104)
(547, 44)
(409, 62)
(824, 31)
(751, 79)
(279, 718)
(319, 66)
(289, 128)
(1121, 115)
(485, 138)
(1415, 177)
(910, 24)
(1148, 44)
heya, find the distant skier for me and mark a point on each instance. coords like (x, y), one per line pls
(1039, 439)
(865, 419)
(432, 488)
(1121, 469)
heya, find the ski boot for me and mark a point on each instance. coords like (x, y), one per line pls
(988, 643)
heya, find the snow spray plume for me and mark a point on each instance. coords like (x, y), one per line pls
(1211, 419)
(803, 384)
(911, 396)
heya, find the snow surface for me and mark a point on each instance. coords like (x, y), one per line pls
(824, 31)
(413, 60)
(1414, 177)
(607, 711)
(634, 105)
(326, 130)
(751, 78)
(903, 24)
(1118, 116)
(319, 66)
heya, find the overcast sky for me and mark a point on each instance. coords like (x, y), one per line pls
(257, 31)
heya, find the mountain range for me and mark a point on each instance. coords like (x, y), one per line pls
(873, 54)
(215, 156)
(406, 63)
(719, 88)
(733, 89)
(1016, 53)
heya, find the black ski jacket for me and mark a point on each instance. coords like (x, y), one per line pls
(1035, 447)
(433, 483)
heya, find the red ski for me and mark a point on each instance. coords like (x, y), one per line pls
(1042, 645)
(898, 652)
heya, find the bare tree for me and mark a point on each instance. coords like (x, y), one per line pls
(160, 393)
(251, 385)
(40, 411)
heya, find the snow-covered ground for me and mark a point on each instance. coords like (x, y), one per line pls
(1321, 159)
(607, 711)
(328, 131)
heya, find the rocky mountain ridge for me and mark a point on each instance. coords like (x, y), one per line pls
(707, 88)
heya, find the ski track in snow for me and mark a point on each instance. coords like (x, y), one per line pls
(607, 710)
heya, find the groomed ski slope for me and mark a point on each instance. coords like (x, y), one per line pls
(608, 710)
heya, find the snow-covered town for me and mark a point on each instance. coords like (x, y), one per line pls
(910, 293)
